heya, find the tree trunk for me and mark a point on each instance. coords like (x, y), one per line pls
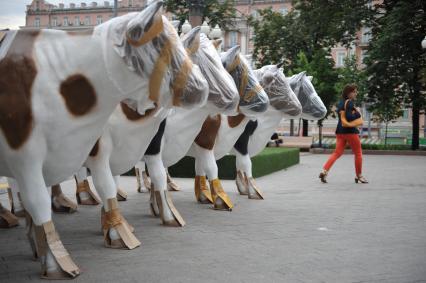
(305, 128)
(416, 126)
(386, 133)
(292, 127)
(320, 133)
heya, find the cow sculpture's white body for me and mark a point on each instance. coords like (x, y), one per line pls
(124, 141)
(258, 137)
(78, 81)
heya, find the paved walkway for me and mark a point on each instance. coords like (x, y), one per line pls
(304, 231)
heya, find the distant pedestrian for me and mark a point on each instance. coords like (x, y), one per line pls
(347, 132)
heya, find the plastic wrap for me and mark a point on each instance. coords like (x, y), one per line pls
(312, 106)
(150, 46)
(223, 94)
(253, 99)
(281, 96)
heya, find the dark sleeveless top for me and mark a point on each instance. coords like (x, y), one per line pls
(351, 114)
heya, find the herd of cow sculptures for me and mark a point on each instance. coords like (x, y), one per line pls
(135, 95)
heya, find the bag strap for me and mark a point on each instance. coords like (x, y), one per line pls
(346, 102)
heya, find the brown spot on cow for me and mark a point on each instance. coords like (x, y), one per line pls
(207, 136)
(234, 121)
(79, 94)
(18, 71)
(133, 115)
(95, 149)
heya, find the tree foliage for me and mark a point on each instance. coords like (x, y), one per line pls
(214, 11)
(396, 61)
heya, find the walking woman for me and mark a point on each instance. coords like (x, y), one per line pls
(347, 132)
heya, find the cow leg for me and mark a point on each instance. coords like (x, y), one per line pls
(170, 216)
(60, 202)
(245, 178)
(206, 162)
(84, 194)
(55, 261)
(117, 232)
(16, 205)
(121, 194)
(144, 184)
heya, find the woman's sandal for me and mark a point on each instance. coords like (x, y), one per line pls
(361, 180)
(323, 176)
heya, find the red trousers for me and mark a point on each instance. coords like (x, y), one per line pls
(354, 143)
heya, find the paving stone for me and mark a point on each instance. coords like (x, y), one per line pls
(304, 231)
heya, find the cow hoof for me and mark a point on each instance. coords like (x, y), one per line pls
(253, 191)
(202, 193)
(117, 232)
(169, 215)
(171, 184)
(7, 219)
(62, 204)
(56, 261)
(241, 183)
(221, 200)
(153, 205)
(85, 195)
(121, 195)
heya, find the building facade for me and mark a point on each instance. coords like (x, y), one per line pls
(79, 16)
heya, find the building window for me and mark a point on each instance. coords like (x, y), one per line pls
(77, 21)
(37, 22)
(87, 20)
(54, 21)
(99, 20)
(406, 114)
(66, 21)
(284, 11)
(340, 58)
(363, 56)
(233, 38)
(366, 35)
(254, 14)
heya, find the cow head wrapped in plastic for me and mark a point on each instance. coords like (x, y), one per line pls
(312, 106)
(253, 99)
(223, 94)
(276, 86)
(148, 34)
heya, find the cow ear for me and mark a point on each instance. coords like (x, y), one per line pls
(191, 40)
(216, 43)
(229, 57)
(300, 75)
(146, 25)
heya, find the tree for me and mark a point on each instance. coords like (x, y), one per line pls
(325, 77)
(350, 73)
(313, 27)
(395, 63)
(214, 11)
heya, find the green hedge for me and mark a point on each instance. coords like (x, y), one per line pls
(271, 159)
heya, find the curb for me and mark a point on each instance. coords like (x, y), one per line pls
(371, 152)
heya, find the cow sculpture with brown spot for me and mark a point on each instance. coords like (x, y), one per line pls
(40, 108)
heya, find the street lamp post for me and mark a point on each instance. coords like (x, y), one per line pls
(115, 8)
(196, 12)
(424, 129)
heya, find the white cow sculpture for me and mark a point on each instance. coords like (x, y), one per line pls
(257, 133)
(282, 102)
(127, 135)
(198, 127)
(51, 89)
